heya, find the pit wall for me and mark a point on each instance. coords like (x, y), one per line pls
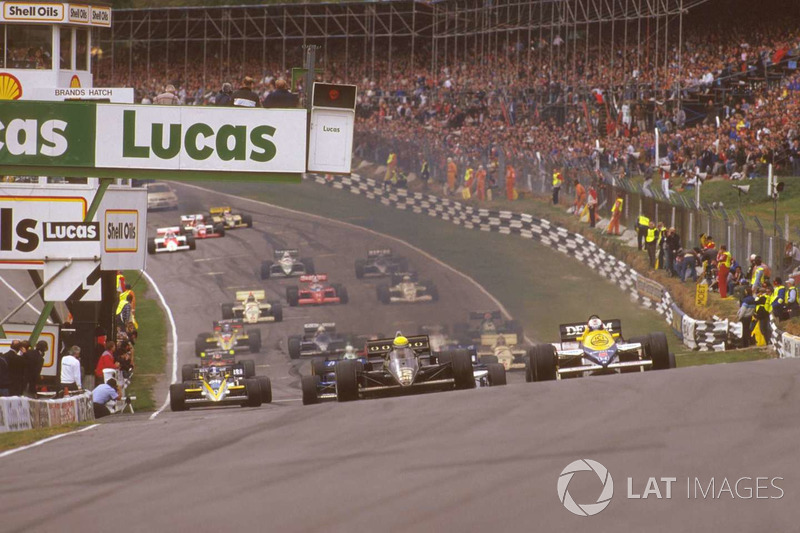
(702, 335)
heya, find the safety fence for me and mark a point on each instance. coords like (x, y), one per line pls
(703, 335)
(18, 412)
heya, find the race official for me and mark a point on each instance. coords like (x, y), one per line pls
(168, 97)
(452, 174)
(16, 367)
(792, 305)
(244, 96)
(641, 230)
(511, 183)
(724, 260)
(71, 370)
(101, 395)
(281, 97)
(223, 97)
(651, 240)
(616, 214)
(580, 198)
(34, 361)
(558, 181)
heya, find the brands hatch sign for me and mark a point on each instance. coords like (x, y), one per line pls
(109, 140)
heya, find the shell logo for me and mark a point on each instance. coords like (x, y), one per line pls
(10, 87)
(75, 82)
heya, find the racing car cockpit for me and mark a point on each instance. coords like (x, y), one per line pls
(322, 338)
(349, 352)
(487, 325)
(402, 362)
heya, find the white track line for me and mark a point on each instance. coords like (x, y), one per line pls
(43, 441)
(21, 297)
(174, 332)
(372, 232)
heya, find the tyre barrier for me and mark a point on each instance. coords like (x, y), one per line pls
(701, 335)
(18, 412)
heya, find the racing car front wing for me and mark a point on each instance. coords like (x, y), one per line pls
(611, 366)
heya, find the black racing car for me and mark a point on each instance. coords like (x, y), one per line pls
(380, 263)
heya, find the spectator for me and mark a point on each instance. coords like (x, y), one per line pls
(71, 370)
(792, 257)
(101, 395)
(168, 97)
(15, 361)
(34, 361)
(452, 173)
(591, 202)
(223, 97)
(671, 247)
(480, 183)
(132, 333)
(106, 361)
(281, 97)
(424, 171)
(580, 198)
(745, 316)
(724, 260)
(735, 278)
(511, 183)
(125, 359)
(5, 379)
(244, 96)
(125, 308)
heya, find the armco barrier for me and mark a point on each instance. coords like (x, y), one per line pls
(18, 413)
(703, 335)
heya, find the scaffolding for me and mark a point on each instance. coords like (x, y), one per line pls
(644, 35)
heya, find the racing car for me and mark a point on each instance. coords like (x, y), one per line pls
(406, 288)
(286, 265)
(317, 340)
(597, 347)
(380, 263)
(229, 219)
(483, 324)
(220, 381)
(228, 337)
(170, 240)
(251, 308)
(317, 292)
(402, 366)
(196, 225)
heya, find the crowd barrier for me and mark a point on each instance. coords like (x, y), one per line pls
(18, 412)
(702, 335)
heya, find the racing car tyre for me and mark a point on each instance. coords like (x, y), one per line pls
(402, 264)
(177, 397)
(515, 327)
(461, 332)
(187, 372)
(659, 352)
(497, 374)
(266, 388)
(249, 368)
(341, 292)
(254, 340)
(219, 229)
(543, 362)
(190, 240)
(247, 220)
(253, 390)
(462, 369)
(277, 311)
(383, 294)
(432, 290)
(347, 381)
(489, 359)
(528, 370)
(309, 386)
(200, 343)
(227, 311)
(151, 246)
(360, 264)
(266, 266)
(294, 347)
(309, 264)
(293, 296)
(318, 367)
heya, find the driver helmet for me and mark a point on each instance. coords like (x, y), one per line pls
(315, 279)
(400, 341)
(286, 256)
(595, 323)
(406, 278)
(501, 340)
(214, 373)
(350, 352)
(320, 330)
(226, 328)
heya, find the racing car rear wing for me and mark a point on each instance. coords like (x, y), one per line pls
(219, 210)
(292, 252)
(570, 332)
(171, 229)
(309, 278)
(236, 323)
(418, 343)
(378, 253)
(397, 277)
(480, 315)
(241, 296)
(312, 327)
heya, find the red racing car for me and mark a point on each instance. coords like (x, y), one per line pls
(316, 292)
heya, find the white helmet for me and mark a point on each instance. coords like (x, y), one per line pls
(321, 329)
(595, 323)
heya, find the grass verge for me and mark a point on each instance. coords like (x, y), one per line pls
(713, 358)
(151, 347)
(15, 439)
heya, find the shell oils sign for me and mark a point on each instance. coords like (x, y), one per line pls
(10, 87)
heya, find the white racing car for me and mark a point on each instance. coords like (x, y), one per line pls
(406, 288)
(251, 307)
(287, 264)
(196, 225)
(170, 240)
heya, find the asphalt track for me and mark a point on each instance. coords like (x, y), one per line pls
(479, 460)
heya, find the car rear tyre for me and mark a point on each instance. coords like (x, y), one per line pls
(227, 311)
(308, 384)
(489, 359)
(266, 389)
(151, 246)
(200, 343)
(659, 352)
(294, 347)
(360, 264)
(247, 220)
(249, 368)
(309, 264)
(433, 291)
(177, 397)
(543, 362)
(402, 264)
(515, 327)
(219, 229)
(383, 294)
(191, 242)
(253, 391)
(277, 312)
(319, 368)
(497, 374)
(187, 372)
(293, 296)
(342, 294)
(254, 340)
(266, 266)
(462, 369)
(346, 381)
